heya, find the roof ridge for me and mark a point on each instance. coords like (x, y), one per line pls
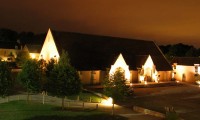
(99, 35)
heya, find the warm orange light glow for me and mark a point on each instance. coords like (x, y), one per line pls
(156, 81)
(107, 102)
(198, 82)
(155, 77)
(141, 78)
(32, 55)
(173, 75)
(149, 63)
(181, 69)
(120, 63)
(150, 70)
(49, 49)
(145, 82)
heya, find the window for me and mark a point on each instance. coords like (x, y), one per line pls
(174, 66)
(196, 67)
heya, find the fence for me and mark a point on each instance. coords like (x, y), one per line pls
(45, 99)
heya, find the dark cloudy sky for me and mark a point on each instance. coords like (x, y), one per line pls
(164, 21)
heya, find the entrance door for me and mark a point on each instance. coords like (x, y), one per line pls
(183, 77)
(148, 74)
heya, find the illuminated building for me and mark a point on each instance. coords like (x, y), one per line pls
(33, 50)
(185, 69)
(49, 49)
(91, 55)
(9, 50)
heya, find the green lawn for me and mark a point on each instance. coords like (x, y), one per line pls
(20, 110)
(86, 97)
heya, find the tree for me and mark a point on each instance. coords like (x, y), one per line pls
(30, 77)
(114, 85)
(8, 35)
(5, 79)
(179, 50)
(64, 79)
(22, 57)
(192, 52)
(49, 67)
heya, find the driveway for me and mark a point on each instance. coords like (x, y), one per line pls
(184, 98)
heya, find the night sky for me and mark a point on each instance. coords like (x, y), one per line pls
(164, 21)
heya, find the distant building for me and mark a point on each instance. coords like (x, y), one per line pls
(33, 50)
(92, 55)
(185, 69)
(9, 50)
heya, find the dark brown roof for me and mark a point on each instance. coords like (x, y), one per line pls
(94, 52)
(188, 61)
(34, 48)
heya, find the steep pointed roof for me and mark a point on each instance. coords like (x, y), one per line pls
(94, 52)
(120, 60)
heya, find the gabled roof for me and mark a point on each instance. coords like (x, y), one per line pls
(188, 61)
(34, 48)
(94, 52)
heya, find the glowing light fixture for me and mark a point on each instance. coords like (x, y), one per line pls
(145, 82)
(120, 63)
(141, 78)
(107, 102)
(156, 81)
(198, 82)
(32, 55)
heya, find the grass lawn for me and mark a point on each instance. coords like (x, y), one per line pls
(20, 110)
(86, 97)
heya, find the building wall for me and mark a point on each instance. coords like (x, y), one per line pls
(4, 53)
(102, 76)
(90, 77)
(134, 76)
(185, 73)
(165, 75)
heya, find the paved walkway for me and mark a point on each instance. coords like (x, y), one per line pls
(128, 113)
